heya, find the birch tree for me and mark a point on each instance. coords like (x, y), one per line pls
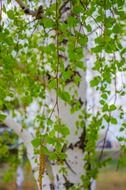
(47, 51)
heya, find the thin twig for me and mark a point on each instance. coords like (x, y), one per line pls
(1, 6)
(58, 61)
(85, 7)
(52, 111)
(105, 138)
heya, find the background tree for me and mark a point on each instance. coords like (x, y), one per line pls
(48, 50)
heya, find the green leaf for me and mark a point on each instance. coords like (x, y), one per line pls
(77, 9)
(65, 130)
(2, 116)
(102, 102)
(10, 14)
(45, 151)
(116, 28)
(96, 80)
(50, 140)
(107, 117)
(89, 28)
(48, 23)
(105, 108)
(8, 1)
(72, 21)
(64, 95)
(52, 84)
(83, 40)
(104, 96)
(36, 142)
(112, 107)
(53, 156)
(113, 120)
(4, 8)
(97, 49)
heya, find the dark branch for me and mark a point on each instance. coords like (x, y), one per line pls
(35, 13)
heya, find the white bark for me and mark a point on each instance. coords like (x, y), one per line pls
(20, 178)
(26, 137)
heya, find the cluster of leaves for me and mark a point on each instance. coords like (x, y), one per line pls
(49, 53)
(8, 150)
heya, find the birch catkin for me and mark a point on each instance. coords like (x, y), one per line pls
(41, 168)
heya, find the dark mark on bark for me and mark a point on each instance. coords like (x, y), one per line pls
(74, 73)
(81, 143)
(57, 177)
(52, 187)
(23, 7)
(26, 11)
(69, 167)
(67, 183)
(64, 41)
(71, 146)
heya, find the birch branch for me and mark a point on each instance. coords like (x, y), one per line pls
(26, 138)
(35, 13)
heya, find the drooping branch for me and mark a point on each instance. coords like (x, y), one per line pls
(35, 13)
